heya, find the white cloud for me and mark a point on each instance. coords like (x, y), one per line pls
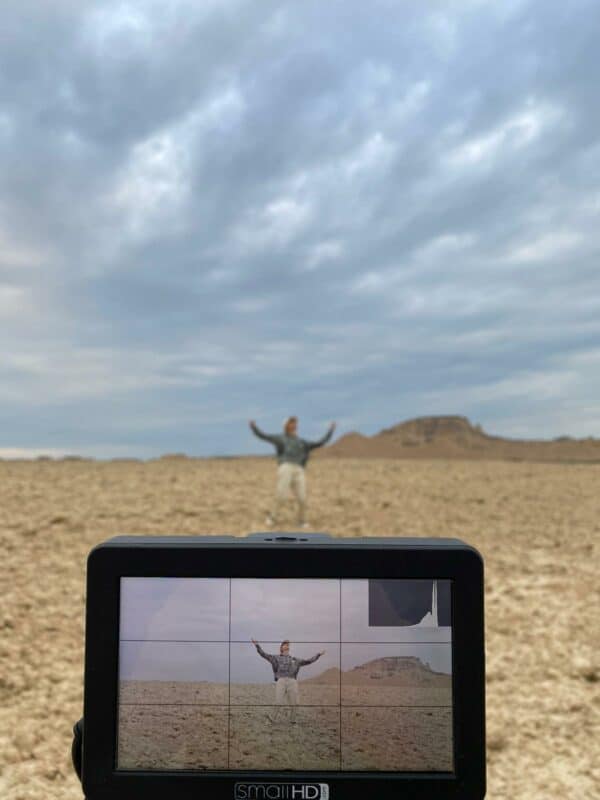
(369, 282)
(519, 130)
(30, 452)
(324, 253)
(14, 303)
(402, 111)
(372, 155)
(105, 25)
(275, 225)
(142, 24)
(151, 193)
(64, 373)
(15, 252)
(444, 246)
(548, 247)
(251, 305)
(152, 188)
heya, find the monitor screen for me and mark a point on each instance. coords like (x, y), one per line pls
(275, 674)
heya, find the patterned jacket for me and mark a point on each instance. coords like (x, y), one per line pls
(292, 449)
(285, 666)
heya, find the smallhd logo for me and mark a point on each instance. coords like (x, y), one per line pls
(281, 791)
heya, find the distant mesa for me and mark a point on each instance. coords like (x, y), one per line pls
(395, 671)
(455, 437)
(428, 429)
(386, 671)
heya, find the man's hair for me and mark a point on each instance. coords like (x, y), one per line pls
(288, 422)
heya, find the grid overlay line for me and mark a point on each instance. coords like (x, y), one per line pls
(411, 643)
(340, 651)
(229, 684)
(272, 705)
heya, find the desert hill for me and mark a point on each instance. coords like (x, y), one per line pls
(386, 671)
(456, 437)
(329, 676)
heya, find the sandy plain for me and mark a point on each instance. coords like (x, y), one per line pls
(185, 725)
(537, 525)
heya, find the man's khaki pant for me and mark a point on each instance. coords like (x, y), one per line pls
(286, 694)
(291, 477)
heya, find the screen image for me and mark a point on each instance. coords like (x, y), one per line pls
(285, 674)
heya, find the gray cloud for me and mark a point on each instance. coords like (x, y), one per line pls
(226, 210)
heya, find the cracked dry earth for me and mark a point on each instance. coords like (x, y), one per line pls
(537, 526)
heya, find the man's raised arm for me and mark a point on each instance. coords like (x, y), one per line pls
(323, 440)
(262, 653)
(268, 437)
(304, 661)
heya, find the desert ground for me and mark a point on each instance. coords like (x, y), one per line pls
(537, 526)
(209, 693)
(187, 725)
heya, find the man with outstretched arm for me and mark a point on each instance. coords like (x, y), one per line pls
(292, 455)
(285, 673)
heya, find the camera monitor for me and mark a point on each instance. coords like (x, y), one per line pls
(284, 667)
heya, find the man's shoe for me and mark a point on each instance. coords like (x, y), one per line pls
(305, 524)
(269, 521)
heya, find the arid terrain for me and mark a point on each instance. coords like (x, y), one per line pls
(188, 725)
(537, 525)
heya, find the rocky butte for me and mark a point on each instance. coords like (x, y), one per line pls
(455, 437)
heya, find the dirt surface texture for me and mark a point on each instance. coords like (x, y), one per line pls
(363, 721)
(536, 524)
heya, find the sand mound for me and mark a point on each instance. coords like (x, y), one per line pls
(330, 676)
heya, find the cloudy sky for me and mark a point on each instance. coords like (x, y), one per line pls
(226, 210)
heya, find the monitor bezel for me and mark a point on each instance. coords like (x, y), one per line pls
(240, 558)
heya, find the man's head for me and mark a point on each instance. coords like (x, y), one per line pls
(290, 426)
(284, 648)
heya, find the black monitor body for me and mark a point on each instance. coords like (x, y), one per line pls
(382, 562)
